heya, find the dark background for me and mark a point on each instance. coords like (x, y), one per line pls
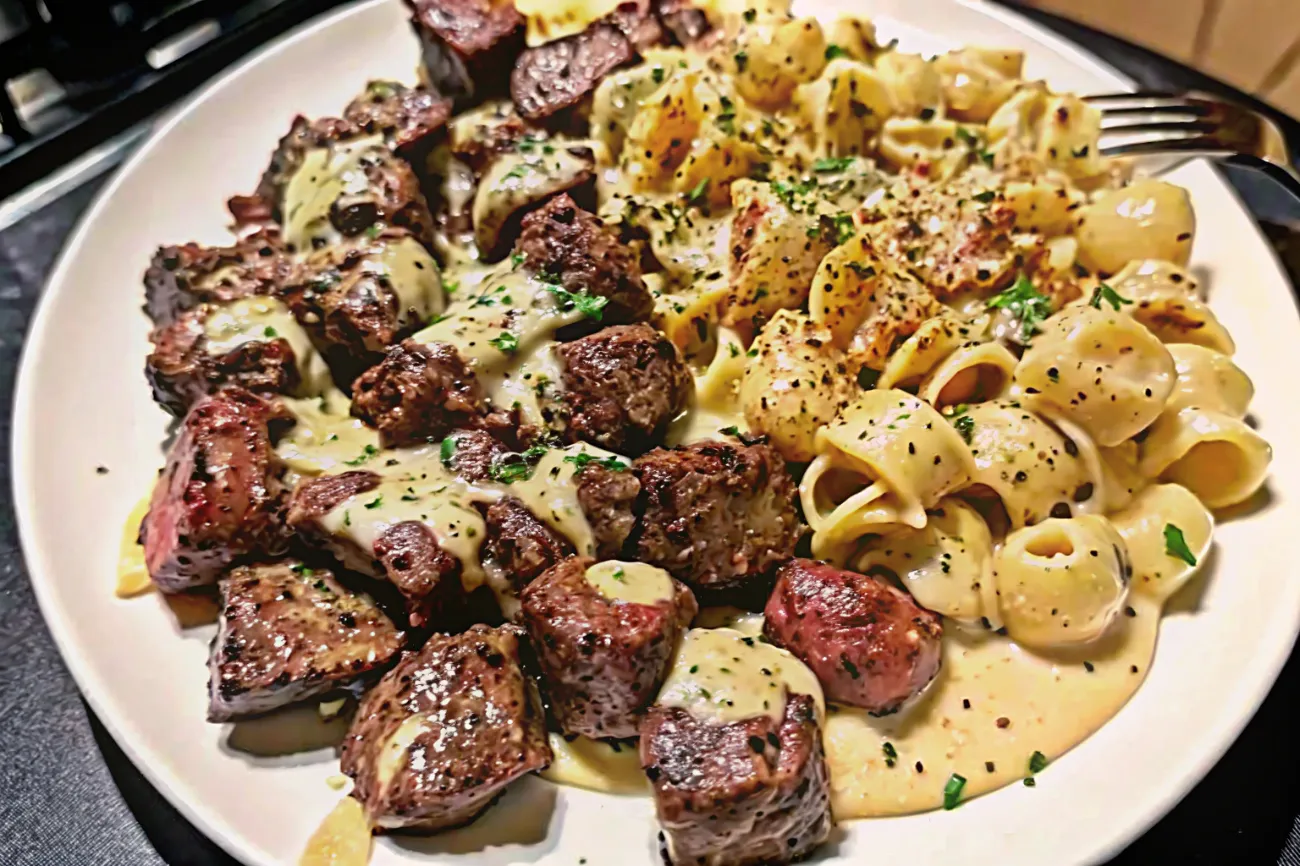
(69, 796)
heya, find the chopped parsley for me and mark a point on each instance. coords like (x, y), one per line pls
(726, 119)
(375, 503)
(1176, 545)
(964, 424)
(299, 568)
(505, 342)
(985, 197)
(891, 754)
(270, 333)
(347, 518)
(733, 430)
(952, 791)
(374, 230)
(657, 73)
(587, 304)
(583, 459)
(842, 226)
(513, 467)
(447, 450)
(734, 350)
(619, 575)
(518, 171)
(450, 288)
(1037, 762)
(832, 163)
(518, 259)
(1026, 304)
(750, 15)
(833, 51)
(366, 453)
(742, 60)
(966, 137)
(1105, 293)
(698, 192)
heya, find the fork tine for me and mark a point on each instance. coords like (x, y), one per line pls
(1130, 97)
(1195, 108)
(1190, 126)
(1191, 143)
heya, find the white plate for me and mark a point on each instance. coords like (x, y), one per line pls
(82, 402)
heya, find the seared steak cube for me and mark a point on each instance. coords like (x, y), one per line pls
(219, 497)
(356, 298)
(686, 22)
(288, 633)
(418, 393)
(478, 137)
(181, 277)
(869, 643)
(607, 492)
(467, 46)
(733, 750)
(556, 75)
(622, 386)
(445, 731)
(716, 514)
(303, 135)
(519, 546)
(572, 245)
(515, 184)
(410, 119)
(604, 636)
(404, 553)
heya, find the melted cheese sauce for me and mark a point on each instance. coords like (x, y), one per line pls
(417, 486)
(132, 575)
(325, 440)
(632, 582)
(342, 839)
(725, 675)
(598, 765)
(326, 174)
(262, 318)
(411, 273)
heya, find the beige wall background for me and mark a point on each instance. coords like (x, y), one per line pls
(1252, 44)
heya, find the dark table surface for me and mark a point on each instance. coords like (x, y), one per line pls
(69, 796)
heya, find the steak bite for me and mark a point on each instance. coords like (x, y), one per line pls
(869, 644)
(288, 157)
(684, 21)
(557, 75)
(607, 492)
(478, 137)
(517, 183)
(604, 636)
(519, 546)
(288, 633)
(564, 241)
(467, 47)
(419, 393)
(181, 369)
(716, 514)
(733, 750)
(621, 388)
(445, 731)
(404, 553)
(639, 24)
(219, 497)
(411, 119)
(359, 297)
(181, 277)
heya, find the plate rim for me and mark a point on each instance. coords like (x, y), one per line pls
(1247, 697)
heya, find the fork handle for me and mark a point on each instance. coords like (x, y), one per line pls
(1279, 173)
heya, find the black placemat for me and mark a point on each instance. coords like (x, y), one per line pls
(69, 797)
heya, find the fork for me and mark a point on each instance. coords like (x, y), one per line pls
(1147, 122)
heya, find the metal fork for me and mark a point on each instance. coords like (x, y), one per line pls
(1149, 123)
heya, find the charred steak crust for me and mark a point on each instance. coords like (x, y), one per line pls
(608, 498)
(740, 793)
(392, 197)
(502, 131)
(687, 23)
(180, 369)
(467, 47)
(572, 245)
(418, 393)
(557, 75)
(869, 643)
(622, 387)
(473, 725)
(518, 544)
(182, 277)
(349, 307)
(405, 554)
(219, 497)
(411, 119)
(602, 662)
(288, 633)
(637, 20)
(716, 514)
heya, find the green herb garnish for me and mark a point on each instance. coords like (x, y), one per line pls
(1026, 304)
(513, 467)
(832, 163)
(698, 192)
(952, 791)
(375, 503)
(447, 450)
(587, 304)
(270, 333)
(1105, 293)
(1176, 545)
(833, 51)
(505, 342)
(1037, 762)
(583, 459)
(366, 453)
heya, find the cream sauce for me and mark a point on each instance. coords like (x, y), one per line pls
(596, 765)
(724, 675)
(325, 439)
(411, 273)
(515, 180)
(1050, 703)
(632, 582)
(262, 318)
(326, 174)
